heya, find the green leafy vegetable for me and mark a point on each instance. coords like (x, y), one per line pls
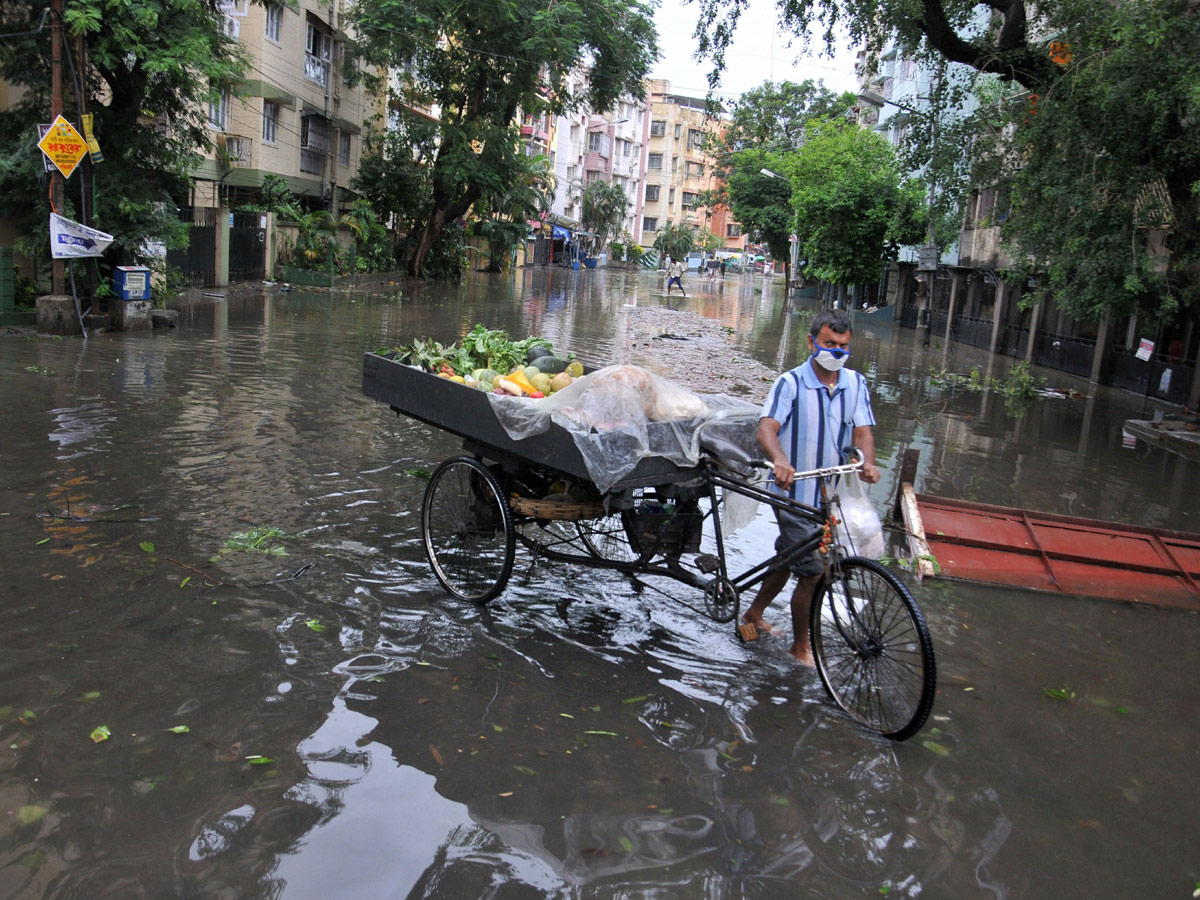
(100, 733)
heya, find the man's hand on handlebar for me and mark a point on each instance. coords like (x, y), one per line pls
(784, 474)
(869, 473)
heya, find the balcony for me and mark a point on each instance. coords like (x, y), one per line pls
(316, 69)
(235, 151)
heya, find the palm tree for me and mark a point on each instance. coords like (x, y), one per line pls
(504, 217)
(605, 205)
(675, 241)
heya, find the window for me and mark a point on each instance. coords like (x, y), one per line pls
(678, 131)
(626, 148)
(344, 149)
(649, 223)
(695, 169)
(658, 128)
(318, 49)
(218, 110)
(270, 120)
(598, 142)
(314, 144)
(695, 138)
(652, 192)
(274, 20)
(733, 231)
(654, 161)
(671, 196)
(570, 173)
(689, 199)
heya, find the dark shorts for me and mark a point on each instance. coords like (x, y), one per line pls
(671, 281)
(793, 530)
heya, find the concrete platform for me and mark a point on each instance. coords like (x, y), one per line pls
(1177, 435)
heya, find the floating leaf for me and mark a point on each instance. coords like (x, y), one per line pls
(315, 625)
(566, 715)
(42, 541)
(257, 760)
(179, 729)
(436, 754)
(185, 581)
(1059, 693)
(27, 815)
(626, 844)
(497, 728)
(147, 546)
(100, 733)
(28, 717)
(506, 794)
(91, 695)
(416, 473)
(935, 747)
(641, 698)
(781, 801)
(609, 733)
(525, 770)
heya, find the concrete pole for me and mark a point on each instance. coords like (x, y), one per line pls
(1035, 324)
(998, 315)
(58, 282)
(1103, 339)
(954, 280)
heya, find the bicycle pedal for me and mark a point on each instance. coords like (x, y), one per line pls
(747, 632)
(707, 563)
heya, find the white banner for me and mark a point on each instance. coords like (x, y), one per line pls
(71, 240)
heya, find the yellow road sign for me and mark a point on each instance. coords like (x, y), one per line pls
(63, 146)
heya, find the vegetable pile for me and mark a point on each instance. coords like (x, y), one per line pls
(490, 361)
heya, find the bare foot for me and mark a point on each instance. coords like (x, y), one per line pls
(803, 656)
(759, 623)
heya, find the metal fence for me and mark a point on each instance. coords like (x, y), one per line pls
(972, 330)
(197, 263)
(1159, 376)
(1060, 351)
(247, 248)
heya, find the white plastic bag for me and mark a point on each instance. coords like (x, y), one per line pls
(861, 530)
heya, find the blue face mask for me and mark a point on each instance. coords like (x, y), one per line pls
(830, 358)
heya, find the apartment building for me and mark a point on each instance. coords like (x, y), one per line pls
(295, 115)
(677, 170)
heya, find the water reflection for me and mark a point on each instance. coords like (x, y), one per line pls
(582, 736)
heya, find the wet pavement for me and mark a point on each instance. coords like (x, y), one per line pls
(352, 733)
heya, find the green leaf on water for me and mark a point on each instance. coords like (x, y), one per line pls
(179, 729)
(91, 695)
(641, 698)
(497, 728)
(147, 546)
(595, 708)
(1122, 710)
(27, 815)
(315, 625)
(885, 889)
(42, 541)
(257, 760)
(525, 770)
(416, 473)
(1059, 693)
(626, 844)
(781, 801)
(566, 715)
(608, 733)
(100, 733)
(28, 717)
(935, 747)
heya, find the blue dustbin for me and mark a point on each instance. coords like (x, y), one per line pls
(132, 282)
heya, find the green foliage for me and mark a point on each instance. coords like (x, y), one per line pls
(675, 241)
(851, 210)
(448, 255)
(478, 62)
(706, 240)
(956, 381)
(616, 251)
(503, 218)
(152, 65)
(604, 206)
(1018, 388)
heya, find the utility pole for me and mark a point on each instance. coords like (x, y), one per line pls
(58, 279)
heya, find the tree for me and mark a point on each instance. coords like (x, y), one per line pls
(851, 210)
(603, 211)
(766, 124)
(478, 62)
(1095, 147)
(675, 241)
(504, 219)
(146, 72)
(706, 239)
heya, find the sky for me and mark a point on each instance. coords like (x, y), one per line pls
(759, 53)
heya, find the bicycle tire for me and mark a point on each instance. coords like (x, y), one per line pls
(872, 648)
(468, 530)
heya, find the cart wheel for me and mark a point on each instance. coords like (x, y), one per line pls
(721, 600)
(468, 530)
(609, 538)
(872, 648)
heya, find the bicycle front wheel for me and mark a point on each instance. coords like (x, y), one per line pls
(872, 648)
(468, 530)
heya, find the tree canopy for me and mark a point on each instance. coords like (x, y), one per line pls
(477, 62)
(603, 210)
(851, 209)
(147, 72)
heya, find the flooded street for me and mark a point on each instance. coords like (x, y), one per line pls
(352, 733)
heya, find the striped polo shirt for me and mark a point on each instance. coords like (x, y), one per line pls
(816, 424)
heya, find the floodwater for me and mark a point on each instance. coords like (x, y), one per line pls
(351, 733)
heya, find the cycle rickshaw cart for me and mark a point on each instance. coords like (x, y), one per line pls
(869, 638)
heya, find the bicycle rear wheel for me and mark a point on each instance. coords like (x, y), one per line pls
(468, 530)
(872, 648)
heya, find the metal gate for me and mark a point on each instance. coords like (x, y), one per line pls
(197, 263)
(247, 248)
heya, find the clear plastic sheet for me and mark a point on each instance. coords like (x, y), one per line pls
(620, 414)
